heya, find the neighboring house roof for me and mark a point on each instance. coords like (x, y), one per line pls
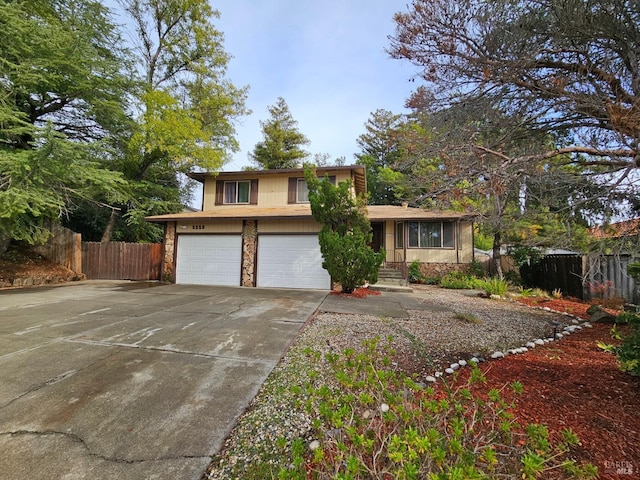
(616, 230)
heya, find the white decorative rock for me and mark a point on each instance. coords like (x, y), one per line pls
(587, 325)
(524, 349)
(449, 370)
(454, 366)
(474, 360)
(462, 363)
(430, 379)
(314, 445)
(437, 374)
(539, 341)
(498, 354)
(575, 321)
(384, 408)
(547, 309)
(531, 345)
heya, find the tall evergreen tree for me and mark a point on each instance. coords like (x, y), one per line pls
(63, 87)
(283, 144)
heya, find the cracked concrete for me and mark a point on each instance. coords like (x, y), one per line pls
(117, 380)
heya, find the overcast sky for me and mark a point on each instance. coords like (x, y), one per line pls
(326, 58)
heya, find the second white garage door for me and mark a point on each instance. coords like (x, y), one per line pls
(291, 261)
(209, 259)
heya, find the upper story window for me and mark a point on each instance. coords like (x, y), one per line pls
(233, 192)
(236, 192)
(302, 191)
(299, 191)
(431, 235)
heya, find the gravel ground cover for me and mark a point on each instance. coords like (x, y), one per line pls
(428, 341)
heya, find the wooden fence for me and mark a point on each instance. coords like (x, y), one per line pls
(122, 261)
(606, 276)
(584, 276)
(63, 247)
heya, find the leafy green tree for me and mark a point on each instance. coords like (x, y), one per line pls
(346, 233)
(40, 183)
(283, 144)
(63, 87)
(185, 106)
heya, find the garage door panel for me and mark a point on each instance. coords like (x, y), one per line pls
(291, 261)
(209, 259)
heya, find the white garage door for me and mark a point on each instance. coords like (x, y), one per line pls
(291, 261)
(209, 259)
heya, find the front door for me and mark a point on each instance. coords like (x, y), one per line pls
(378, 236)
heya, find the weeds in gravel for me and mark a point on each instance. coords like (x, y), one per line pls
(458, 281)
(370, 422)
(468, 318)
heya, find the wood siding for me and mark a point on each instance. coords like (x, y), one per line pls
(272, 189)
(462, 253)
(208, 226)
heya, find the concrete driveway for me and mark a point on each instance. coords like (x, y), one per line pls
(118, 380)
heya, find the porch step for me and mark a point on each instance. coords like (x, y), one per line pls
(389, 273)
(391, 280)
(383, 287)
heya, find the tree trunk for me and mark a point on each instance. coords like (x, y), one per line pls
(111, 224)
(497, 258)
(5, 240)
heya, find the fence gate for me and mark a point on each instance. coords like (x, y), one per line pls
(121, 261)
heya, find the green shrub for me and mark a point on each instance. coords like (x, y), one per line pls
(476, 269)
(415, 272)
(372, 422)
(458, 280)
(628, 352)
(493, 286)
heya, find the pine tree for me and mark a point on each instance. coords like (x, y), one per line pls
(283, 144)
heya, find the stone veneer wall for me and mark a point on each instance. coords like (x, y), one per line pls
(249, 245)
(168, 271)
(435, 270)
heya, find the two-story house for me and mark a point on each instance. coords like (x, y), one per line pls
(256, 230)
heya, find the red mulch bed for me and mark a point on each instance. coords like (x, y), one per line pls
(357, 293)
(574, 384)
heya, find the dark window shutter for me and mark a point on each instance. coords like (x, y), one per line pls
(253, 193)
(293, 190)
(332, 179)
(219, 192)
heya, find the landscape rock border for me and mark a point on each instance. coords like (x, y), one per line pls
(577, 323)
